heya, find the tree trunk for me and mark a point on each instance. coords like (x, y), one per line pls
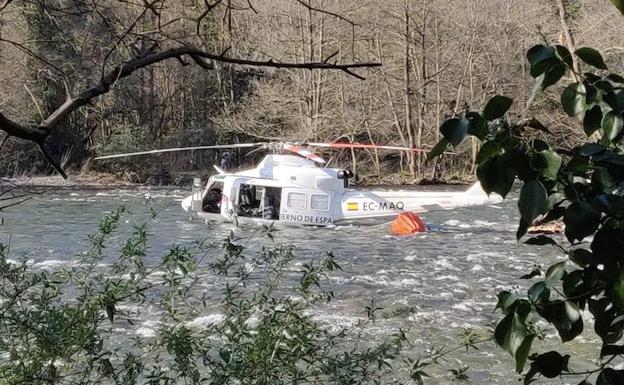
(407, 90)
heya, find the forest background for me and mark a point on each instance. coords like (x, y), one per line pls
(438, 58)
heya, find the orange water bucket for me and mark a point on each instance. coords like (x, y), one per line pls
(407, 223)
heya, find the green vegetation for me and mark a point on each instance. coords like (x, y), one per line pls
(584, 187)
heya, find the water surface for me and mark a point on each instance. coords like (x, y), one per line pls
(448, 278)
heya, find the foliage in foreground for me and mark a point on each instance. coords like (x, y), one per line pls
(583, 186)
(78, 325)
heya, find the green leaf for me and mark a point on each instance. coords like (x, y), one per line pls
(478, 126)
(522, 353)
(615, 100)
(533, 200)
(615, 292)
(487, 151)
(611, 350)
(610, 376)
(552, 162)
(553, 74)
(616, 78)
(566, 318)
(506, 301)
(608, 244)
(593, 96)
(497, 107)
(540, 53)
(619, 4)
(539, 293)
(565, 55)
(454, 130)
(521, 163)
(592, 120)
(573, 99)
(582, 257)
(438, 149)
(554, 274)
(546, 68)
(551, 364)
(592, 78)
(591, 149)
(591, 57)
(612, 125)
(581, 220)
(512, 334)
(496, 175)
(225, 355)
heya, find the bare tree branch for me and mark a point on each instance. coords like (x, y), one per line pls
(20, 131)
(35, 102)
(252, 7)
(40, 133)
(148, 6)
(209, 8)
(6, 4)
(4, 140)
(127, 69)
(31, 53)
(569, 39)
(311, 8)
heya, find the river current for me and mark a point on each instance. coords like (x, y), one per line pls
(448, 278)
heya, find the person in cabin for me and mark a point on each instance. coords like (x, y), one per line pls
(269, 211)
(212, 202)
(226, 161)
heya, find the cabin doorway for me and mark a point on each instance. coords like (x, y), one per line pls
(212, 200)
(271, 203)
(259, 201)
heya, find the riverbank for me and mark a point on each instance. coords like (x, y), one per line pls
(97, 180)
(85, 180)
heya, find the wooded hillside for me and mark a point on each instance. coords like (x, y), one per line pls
(437, 58)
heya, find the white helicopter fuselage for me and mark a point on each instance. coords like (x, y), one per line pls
(292, 190)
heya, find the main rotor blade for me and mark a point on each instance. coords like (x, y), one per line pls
(215, 147)
(364, 145)
(305, 153)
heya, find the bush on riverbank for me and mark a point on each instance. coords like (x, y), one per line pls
(581, 185)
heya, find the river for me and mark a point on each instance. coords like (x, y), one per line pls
(449, 277)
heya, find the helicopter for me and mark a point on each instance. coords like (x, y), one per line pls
(297, 189)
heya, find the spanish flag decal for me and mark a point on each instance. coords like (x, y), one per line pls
(352, 206)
